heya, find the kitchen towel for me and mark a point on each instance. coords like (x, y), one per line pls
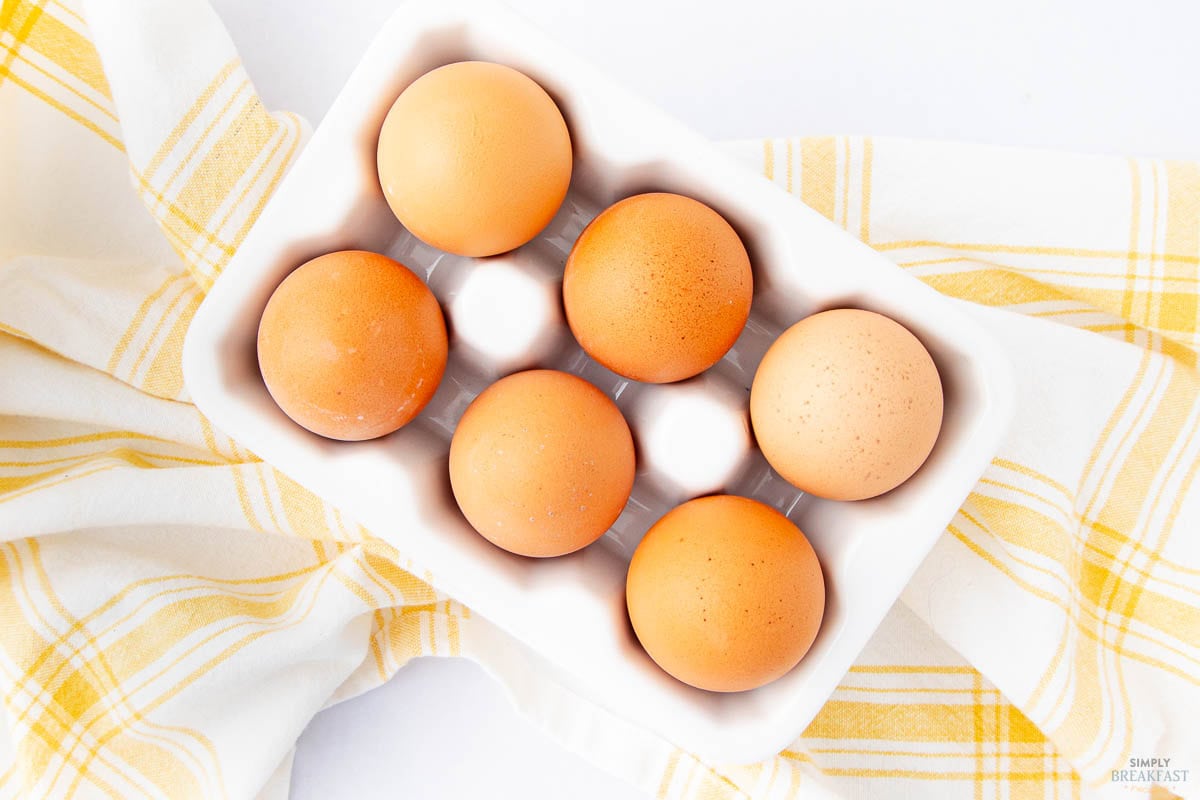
(173, 610)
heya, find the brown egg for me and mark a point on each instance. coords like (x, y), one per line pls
(474, 158)
(542, 463)
(352, 345)
(846, 404)
(725, 593)
(658, 287)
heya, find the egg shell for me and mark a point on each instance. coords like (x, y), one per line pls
(658, 287)
(846, 404)
(352, 345)
(542, 463)
(474, 158)
(725, 593)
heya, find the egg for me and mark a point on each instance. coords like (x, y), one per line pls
(474, 158)
(542, 463)
(352, 345)
(725, 593)
(658, 287)
(846, 404)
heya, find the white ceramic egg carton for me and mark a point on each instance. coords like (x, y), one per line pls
(504, 314)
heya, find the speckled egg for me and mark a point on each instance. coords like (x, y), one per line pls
(541, 463)
(725, 593)
(846, 404)
(658, 287)
(474, 158)
(352, 345)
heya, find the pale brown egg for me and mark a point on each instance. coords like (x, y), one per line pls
(846, 404)
(725, 593)
(352, 345)
(542, 463)
(658, 287)
(474, 158)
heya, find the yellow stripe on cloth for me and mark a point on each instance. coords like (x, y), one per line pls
(55, 63)
(1152, 285)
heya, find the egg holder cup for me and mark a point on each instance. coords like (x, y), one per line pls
(504, 314)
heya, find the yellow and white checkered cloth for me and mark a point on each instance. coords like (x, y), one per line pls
(173, 611)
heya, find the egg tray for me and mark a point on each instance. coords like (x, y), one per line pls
(504, 314)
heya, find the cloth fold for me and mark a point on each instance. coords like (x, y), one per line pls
(175, 610)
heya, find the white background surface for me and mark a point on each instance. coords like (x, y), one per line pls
(1110, 76)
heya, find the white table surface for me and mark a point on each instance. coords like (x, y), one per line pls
(1103, 76)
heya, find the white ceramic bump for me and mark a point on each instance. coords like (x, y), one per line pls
(504, 313)
(571, 610)
(693, 437)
